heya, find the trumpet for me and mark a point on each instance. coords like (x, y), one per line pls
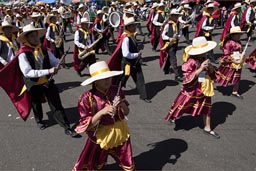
(89, 51)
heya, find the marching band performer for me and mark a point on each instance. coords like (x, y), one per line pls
(158, 22)
(81, 9)
(130, 61)
(229, 72)
(83, 39)
(151, 16)
(19, 21)
(197, 90)
(54, 35)
(170, 37)
(36, 20)
(36, 64)
(99, 28)
(8, 43)
(66, 22)
(102, 116)
(233, 20)
(185, 21)
(205, 26)
(248, 19)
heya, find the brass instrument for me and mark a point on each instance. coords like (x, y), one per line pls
(58, 41)
(87, 52)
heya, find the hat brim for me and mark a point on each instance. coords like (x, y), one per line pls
(49, 18)
(228, 35)
(101, 76)
(132, 23)
(14, 28)
(206, 8)
(41, 33)
(236, 8)
(197, 51)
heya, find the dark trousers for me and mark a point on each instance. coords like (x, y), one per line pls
(157, 35)
(50, 91)
(67, 24)
(185, 32)
(58, 52)
(137, 76)
(89, 60)
(171, 60)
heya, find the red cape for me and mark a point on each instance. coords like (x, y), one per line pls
(243, 19)
(120, 31)
(250, 61)
(11, 80)
(114, 62)
(199, 25)
(227, 27)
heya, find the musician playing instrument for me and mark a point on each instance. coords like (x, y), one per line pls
(83, 39)
(232, 21)
(158, 22)
(81, 9)
(66, 22)
(206, 25)
(185, 21)
(100, 28)
(170, 37)
(229, 72)
(8, 43)
(54, 35)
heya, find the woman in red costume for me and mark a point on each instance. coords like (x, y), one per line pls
(103, 110)
(229, 72)
(195, 95)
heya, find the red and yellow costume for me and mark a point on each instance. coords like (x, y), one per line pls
(228, 71)
(251, 60)
(110, 137)
(194, 97)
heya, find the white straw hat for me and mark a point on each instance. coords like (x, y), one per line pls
(99, 71)
(35, 15)
(236, 6)
(85, 20)
(235, 30)
(129, 21)
(29, 28)
(187, 6)
(80, 6)
(7, 24)
(199, 46)
(154, 5)
(100, 12)
(174, 12)
(211, 5)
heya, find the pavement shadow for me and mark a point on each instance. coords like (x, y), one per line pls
(71, 113)
(150, 58)
(161, 153)
(153, 88)
(68, 85)
(244, 86)
(220, 112)
(188, 122)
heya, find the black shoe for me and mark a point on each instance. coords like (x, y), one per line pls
(166, 72)
(70, 132)
(178, 79)
(79, 73)
(147, 100)
(41, 125)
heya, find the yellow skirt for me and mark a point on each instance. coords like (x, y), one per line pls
(110, 136)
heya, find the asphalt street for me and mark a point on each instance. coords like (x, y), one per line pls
(156, 144)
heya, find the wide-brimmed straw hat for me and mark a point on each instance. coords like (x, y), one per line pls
(160, 5)
(186, 6)
(211, 5)
(237, 6)
(30, 28)
(49, 17)
(174, 12)
(130, 21)
(99, 71)
(154, 5)
(208, 2)
(99, 12)
(35, 15)
(85, 20)
(7, 24)
(80, 6)
(199, 46)
(235, 30)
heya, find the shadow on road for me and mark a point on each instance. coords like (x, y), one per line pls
(161, 153)
(71, 113)
(149, 58)
(244, 86)
(153, 87)
(68, 85)
(220, 112)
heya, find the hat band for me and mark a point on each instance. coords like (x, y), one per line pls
(201, 46)
(99, 72)
(235, 31)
